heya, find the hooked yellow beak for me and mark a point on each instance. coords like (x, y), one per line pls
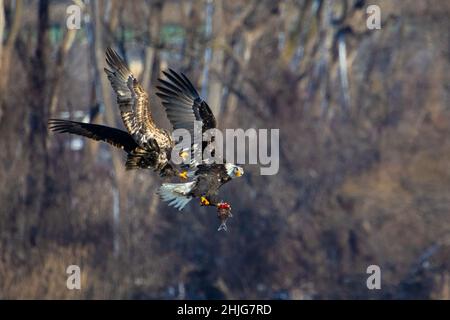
(238, 174)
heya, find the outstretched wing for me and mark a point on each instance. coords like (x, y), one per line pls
(115, 137)
(132, 100)
(183, 105)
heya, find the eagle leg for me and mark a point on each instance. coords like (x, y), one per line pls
(183, 175)
(204, 201)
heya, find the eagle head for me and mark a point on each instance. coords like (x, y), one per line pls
(233, 170)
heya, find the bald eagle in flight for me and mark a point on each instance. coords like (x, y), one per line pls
(184, 106)
(146, 145)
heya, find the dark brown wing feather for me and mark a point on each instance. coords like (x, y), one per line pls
(183, 104)
(115, 137)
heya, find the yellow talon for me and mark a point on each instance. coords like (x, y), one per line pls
(183, 175)
(204, 201)
(184, 155)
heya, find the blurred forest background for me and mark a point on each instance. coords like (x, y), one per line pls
(364, 118)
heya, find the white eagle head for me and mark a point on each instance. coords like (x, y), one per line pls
(233, 170)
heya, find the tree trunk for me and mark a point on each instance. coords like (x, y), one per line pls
(7, 49)
(151, 50)
(2, 26)
(68, 40)
(109, 117)
(215, 85)
(37, 179)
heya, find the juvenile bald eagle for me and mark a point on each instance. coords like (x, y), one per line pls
(146, 145)
(184, 106)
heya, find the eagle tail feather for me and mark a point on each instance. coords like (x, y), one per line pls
(177, 194)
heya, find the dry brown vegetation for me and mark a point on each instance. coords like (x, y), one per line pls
(364, 171)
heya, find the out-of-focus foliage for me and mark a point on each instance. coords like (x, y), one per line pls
(364, 171)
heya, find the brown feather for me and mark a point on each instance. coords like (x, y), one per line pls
(134, 104)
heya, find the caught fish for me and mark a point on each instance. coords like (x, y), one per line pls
(223, 213)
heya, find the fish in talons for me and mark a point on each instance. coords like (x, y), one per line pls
(223, 213)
